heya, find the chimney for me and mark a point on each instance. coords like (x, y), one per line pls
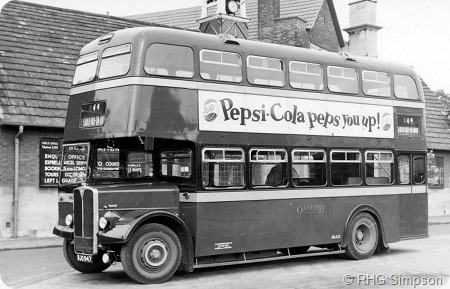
(224, 17)
(363, 29)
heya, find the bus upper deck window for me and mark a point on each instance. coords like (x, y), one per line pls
(116, 61)
(223, 168)
(405, 87)
(306, 75)
(219, 65)
(169, 60)
(376, 83)
(86, 68)
(265, 71)
(342, 79)
(268, 167)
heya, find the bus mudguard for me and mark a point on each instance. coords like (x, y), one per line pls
(124, 228)
(370, 209)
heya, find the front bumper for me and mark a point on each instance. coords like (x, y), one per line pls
(63, 231)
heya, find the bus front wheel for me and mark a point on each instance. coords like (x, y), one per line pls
(362, 237)
(69, 254)
(152, 254)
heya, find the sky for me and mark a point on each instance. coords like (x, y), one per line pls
(415, 32)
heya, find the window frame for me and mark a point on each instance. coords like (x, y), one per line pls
(313, 161)
(396, 92)
(265, 68)
(343, 77)
(376, 81)
(322, 85)
(391, 162)
(83, 61)
(224, 161)
(129, 51)
(222, 53)
(346, 161)
(268, 161)
(147, 68)
(191, 167)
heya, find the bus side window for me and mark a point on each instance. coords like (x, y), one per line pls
(221, 66)
(404, 170)
(342, 79)
(376, 83)
(169, 60)
(265, 71)
(268, 167)
(346, 168)
(176, 163)
(379, 167)
(306, 75)
(223, 168)
(419, 170)
(309, 168)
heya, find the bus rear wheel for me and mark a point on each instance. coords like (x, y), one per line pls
(152, 255)
(69, 254)
(362, 237)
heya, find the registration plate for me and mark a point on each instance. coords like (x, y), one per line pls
(84, 258)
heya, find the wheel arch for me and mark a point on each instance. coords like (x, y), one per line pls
(175, 224)
(366, 208)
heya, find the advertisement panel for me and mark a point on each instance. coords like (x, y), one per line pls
(235, 112)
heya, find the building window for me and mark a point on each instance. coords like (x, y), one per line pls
(436, 172)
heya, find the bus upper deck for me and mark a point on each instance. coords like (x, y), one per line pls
(177, 84)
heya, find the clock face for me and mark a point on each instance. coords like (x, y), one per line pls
(233, 6)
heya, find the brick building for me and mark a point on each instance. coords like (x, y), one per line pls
(39, 46)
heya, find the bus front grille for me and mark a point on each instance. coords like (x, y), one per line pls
(85, 207)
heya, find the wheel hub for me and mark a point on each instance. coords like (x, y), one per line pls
(155, 253)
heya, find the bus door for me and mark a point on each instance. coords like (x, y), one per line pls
(413, 206)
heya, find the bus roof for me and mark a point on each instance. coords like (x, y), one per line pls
(148, 35)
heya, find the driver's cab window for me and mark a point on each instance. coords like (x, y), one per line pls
(404, 170)
(115, 163)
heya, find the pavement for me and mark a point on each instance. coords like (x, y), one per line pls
(52, 242)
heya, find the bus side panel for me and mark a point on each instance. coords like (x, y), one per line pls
(386, 206)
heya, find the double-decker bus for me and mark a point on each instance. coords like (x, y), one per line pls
(184, 150)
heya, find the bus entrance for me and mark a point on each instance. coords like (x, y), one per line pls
(414, 207)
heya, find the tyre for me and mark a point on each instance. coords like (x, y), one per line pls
(96, 267)
(362, 237)
(152, 255)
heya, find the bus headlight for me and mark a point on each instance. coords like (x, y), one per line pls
(69, 220)
(103, 223)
